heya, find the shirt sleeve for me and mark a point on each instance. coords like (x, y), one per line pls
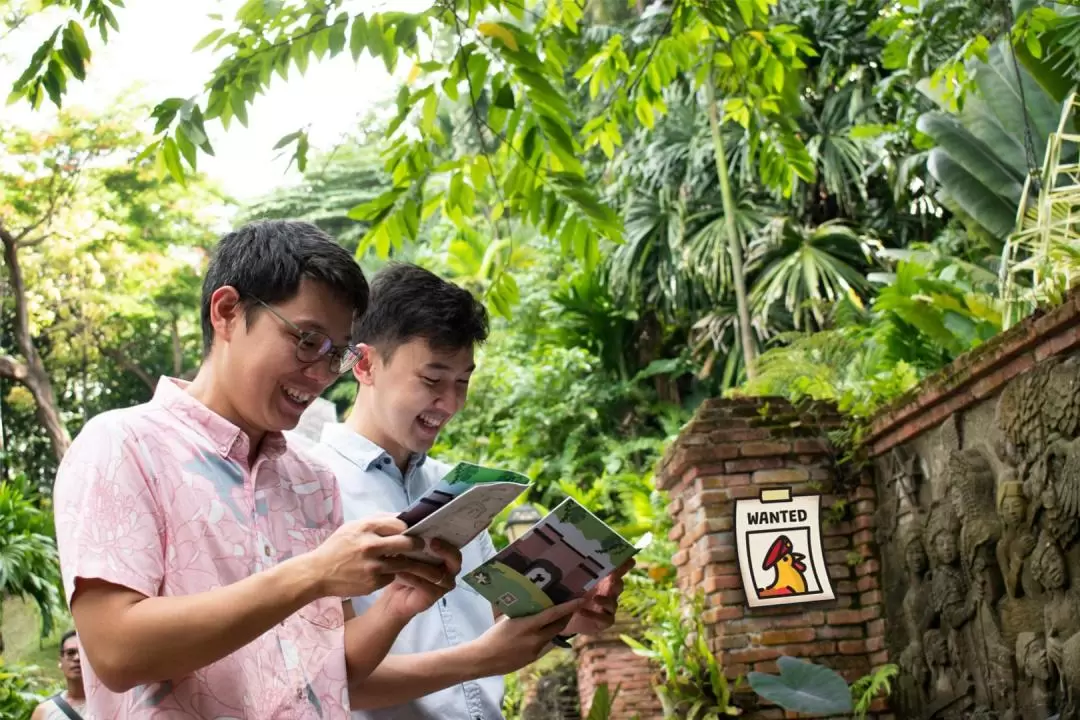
(109, 524)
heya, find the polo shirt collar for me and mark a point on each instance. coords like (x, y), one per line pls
(362, 452)
(227, 438)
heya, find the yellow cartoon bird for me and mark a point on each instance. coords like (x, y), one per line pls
(789, 569)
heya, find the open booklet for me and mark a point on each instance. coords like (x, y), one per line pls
(462, 505)
(560, 558)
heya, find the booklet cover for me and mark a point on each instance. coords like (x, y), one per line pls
(462, 505)
(560, 558)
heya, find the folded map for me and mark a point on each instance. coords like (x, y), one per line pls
(462, 505)
(560, 558)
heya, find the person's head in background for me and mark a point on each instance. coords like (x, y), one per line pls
(417, 343)
(278, 304)
(70, 663)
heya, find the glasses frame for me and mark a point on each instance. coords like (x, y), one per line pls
(340, 358)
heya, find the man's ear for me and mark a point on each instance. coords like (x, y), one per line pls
(363, 370)
(226, 311)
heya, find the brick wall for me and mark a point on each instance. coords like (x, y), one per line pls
(607, 659)
(732, 449)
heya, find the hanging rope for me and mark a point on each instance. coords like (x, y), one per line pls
(1034, 170)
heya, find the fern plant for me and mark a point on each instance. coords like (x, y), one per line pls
(869, 687)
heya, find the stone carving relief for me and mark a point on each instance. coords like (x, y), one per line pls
(985, 614)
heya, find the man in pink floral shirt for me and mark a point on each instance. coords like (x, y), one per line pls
(204, 559)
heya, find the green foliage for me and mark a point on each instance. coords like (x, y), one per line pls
(869, 687)
(689, 683)
(29, 566)
(980, 161)
(22, 688)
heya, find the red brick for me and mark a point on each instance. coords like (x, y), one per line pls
(787, 637)
(782, 476)
(765, 449)
(675, 506)
(753, 655)
(721, 614)
(745, 492)
(797, 619)
(676, 532)
(734, 670)
(872, 612)
(738, 435)
(706, 497)
(697, 575)
(814, 446)
(868, 583)
(864, 492)
(844, 617)
(835, 542)
(680, 558)
(722, 582)
(871, 598)
(729, 642)
(840, 632)
(875, 644)
(869, 567)
(752, 464)
(865, 507)
(875, 627)
(845, 587)
(863, 537)
(721, 555)
(992, 383)
(1057, 344)
(852, 647)
(864, 522)
(879, 658)
(768, 666)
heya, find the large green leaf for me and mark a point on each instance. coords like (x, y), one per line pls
(803, 687)
(973, 155)
(992, 211)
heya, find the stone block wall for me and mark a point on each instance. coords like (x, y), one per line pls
(978, 480)
(733, 449)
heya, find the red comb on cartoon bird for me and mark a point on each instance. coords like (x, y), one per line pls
(789, 567)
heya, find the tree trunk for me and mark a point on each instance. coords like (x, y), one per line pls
(31, 372)
(734, 246)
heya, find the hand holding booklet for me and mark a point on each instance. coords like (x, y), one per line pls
(560, 558)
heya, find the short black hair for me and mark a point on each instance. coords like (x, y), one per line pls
(64, 638)
(409, 302)
(268, 259)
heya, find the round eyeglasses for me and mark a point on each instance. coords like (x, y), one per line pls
(312, 345)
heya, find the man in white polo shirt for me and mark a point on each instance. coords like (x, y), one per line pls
(417, 341)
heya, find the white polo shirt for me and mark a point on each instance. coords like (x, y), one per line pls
(370, 482)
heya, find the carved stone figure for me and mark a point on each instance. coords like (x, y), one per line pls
(1033, 695)
(918, 611)
(949, 593)
(971, 488)
(1040, 407)
(1061, 615)
(1017, 539)
(949, 689)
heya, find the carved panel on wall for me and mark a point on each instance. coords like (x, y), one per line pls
(984, 619)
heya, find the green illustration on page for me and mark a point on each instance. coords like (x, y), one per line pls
(560, 558)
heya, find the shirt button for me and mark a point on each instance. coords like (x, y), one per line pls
(267, 549)
(299, 693)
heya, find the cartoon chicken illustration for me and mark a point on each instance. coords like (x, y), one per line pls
(789, 569)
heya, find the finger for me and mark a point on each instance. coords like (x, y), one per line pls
(555, 613)
(601, 604)
(434, 574)
(382, 524)
(626, 567)
(396, 545)
(419, 583)
(449, 554)
(593, 616)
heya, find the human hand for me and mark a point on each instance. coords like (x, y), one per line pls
(410, 594)
(364, 556)
(512, 643)
(597, 613)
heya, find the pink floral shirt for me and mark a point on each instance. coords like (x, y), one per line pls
(159, 498)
